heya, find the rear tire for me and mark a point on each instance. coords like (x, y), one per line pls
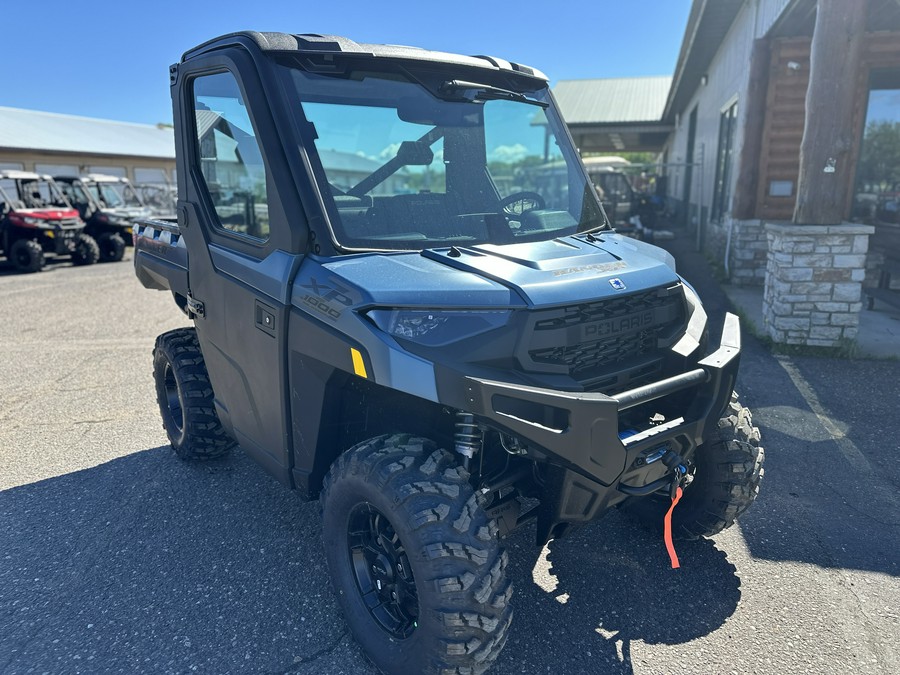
(27, 255)
(111, 246)
(729, 468)
(86, 251)
(416, 563)
(185, 397)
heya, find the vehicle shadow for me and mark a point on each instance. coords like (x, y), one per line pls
(830, 492)
(148, 564)
(582, 601)
(8, 269)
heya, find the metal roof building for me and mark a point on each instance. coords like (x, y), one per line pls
(57, 143)
(615, 115)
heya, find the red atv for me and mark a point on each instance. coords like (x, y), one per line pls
(36, 219)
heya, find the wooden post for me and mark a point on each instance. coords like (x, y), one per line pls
(823, 187)
(745, 189)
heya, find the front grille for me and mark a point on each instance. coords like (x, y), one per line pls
(621, 336)
(590, 355)
(614, 307)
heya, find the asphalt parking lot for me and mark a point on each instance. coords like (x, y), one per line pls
(115, 557)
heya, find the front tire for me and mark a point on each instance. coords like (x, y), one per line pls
(729, 468)
(112, 247)
(416, 563)
(86, 251)
(27, 255)
(185, 397)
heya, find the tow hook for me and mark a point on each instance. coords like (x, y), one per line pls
(676, 464)
(680, 480)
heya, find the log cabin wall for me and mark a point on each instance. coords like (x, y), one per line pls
(783, 128)
(786, 109)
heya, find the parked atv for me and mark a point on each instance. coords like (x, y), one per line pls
(160, 200)
(110, 228)
(36, 220)
(408, 302)
(116, 195)
(620, 200)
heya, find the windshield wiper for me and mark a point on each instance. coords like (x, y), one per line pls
(476, 91)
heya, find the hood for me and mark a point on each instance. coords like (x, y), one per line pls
(538, 274)
(116, 216)
(48, 213)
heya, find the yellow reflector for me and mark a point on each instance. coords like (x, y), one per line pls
(127, 230)
(358, 366)
(50, 233)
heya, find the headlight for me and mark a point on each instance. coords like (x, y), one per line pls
(434, 328)
(34, 222)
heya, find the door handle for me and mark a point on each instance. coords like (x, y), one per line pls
(265, 318)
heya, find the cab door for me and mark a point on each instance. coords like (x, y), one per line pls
(242, 251)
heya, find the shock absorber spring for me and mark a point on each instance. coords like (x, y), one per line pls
(468, 437)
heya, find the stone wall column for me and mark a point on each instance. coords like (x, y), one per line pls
(813, 286)
(748, 256)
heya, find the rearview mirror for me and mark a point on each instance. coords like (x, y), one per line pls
(414, 153)
(438, 113)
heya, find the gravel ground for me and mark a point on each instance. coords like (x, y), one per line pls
(116, 557)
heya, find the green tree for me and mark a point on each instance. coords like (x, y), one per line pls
(879, 163)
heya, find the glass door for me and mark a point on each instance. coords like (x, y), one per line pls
(877, 196)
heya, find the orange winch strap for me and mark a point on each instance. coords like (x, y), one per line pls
(667, 530)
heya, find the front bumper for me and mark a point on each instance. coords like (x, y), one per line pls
(122, 228)
(580, 432)
(59, 240)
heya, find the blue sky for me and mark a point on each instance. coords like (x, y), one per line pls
(110, 59)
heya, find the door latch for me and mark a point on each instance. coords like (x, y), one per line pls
(195, 307)
(265, 318)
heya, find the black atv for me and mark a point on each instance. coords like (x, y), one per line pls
(111, 229)
(409, 303)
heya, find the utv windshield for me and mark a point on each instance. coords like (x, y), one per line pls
(412, 160)
(104, 194)
(75, 193)
(115, 195)
(40, 193)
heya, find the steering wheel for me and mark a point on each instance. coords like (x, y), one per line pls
(520, 202)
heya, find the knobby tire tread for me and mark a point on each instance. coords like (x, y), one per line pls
(461, 565)
(203, 436)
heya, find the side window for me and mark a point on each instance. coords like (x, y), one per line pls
(230, 157)
(9, 195)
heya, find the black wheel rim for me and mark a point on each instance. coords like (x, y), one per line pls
(382, 571)
(173, 399)
(23, 257)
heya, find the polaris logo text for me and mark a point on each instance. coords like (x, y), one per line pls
(626, 324)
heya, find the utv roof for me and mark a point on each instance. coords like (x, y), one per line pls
(105, 178)
(311, 43)
(21, 175)
(92, 177)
